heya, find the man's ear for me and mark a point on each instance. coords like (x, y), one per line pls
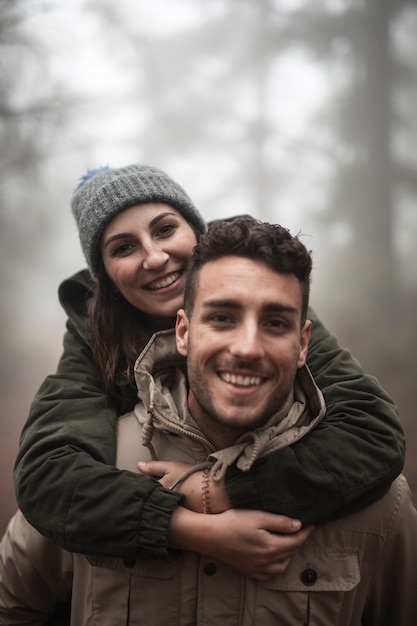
(305, 338)
(181, 332)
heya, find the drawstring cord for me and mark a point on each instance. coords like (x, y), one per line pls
(189, 471)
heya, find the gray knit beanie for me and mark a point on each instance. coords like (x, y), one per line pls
(104, 192)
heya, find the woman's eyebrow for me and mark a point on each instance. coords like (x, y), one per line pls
(161, 216)
(115, 237)
(152, 223)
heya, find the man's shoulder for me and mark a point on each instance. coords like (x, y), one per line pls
(386, 511)
(383, 517)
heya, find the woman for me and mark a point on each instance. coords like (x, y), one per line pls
(137, 229)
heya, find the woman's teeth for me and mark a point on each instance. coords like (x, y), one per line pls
(165, 282)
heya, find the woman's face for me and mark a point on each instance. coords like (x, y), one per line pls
(145, 250)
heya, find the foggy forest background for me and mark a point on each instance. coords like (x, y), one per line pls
(298, 112)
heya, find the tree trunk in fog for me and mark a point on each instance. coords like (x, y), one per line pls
(373, 219)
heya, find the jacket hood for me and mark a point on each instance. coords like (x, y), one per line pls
(162, 389)
(74, 295)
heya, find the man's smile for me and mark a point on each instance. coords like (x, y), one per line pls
(241, 380)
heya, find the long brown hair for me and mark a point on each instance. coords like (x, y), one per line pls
(118, 333)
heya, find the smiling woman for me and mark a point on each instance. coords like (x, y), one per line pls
(145, 250)
(137, 230)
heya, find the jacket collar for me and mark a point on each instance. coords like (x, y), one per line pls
(162, 389)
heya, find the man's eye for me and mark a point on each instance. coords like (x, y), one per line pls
(276, 324)
(220, 318)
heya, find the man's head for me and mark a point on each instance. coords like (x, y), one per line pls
(244, 327)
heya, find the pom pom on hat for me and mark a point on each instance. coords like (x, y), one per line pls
(89, 174)
(104, 192)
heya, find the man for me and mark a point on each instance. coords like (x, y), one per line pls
(245, 335)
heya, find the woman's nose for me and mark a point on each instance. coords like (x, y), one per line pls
(154, 258)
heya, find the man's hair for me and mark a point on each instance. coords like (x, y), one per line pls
(252, 239)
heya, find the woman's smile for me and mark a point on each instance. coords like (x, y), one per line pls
(145, 250)
(163, 282)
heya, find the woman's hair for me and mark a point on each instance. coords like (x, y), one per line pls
(118, 333)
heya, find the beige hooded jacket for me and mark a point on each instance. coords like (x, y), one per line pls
(358, 569)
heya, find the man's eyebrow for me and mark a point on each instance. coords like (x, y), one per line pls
(279, 307)
(225, 303)
(272, 307)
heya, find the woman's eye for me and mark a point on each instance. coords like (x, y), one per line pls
(166, 229)
(122, 249)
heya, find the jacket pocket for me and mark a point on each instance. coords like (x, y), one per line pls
(326, 569)
(134, 593)
(315, 588)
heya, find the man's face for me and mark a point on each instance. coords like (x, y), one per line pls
(243, 343)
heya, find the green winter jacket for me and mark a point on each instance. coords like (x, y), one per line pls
(70, 490)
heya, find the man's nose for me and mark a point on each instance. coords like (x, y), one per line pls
(247, 342)
(154, 257)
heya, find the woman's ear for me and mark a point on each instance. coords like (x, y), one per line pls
(181, 332)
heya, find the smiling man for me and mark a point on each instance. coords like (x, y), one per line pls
(248, 337)
(245, 334)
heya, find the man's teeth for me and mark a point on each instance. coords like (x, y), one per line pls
(165, 282)
(242, 381)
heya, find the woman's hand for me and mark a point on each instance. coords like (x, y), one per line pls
(167, 472)
(255, 543)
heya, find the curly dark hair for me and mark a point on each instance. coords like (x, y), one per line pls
(247, 237)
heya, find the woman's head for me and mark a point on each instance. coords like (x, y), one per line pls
(105, 192)
(144, 251)
(137, 230)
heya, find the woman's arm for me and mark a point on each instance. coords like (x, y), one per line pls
(349, 460)
(69, 489)
(66, 482)
(256, 543)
